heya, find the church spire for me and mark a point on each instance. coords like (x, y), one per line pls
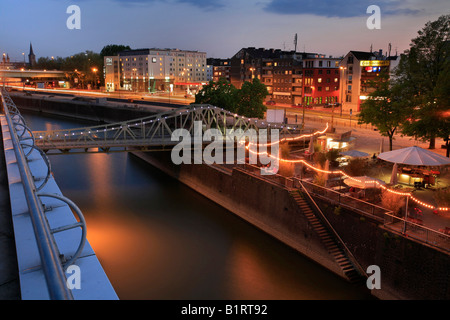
(31, 57)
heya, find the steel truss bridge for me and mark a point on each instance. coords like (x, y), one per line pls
(151, 133)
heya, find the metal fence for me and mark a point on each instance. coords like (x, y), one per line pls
(23, 144)
(385, 217)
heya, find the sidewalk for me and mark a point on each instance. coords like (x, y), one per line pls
(369, 141)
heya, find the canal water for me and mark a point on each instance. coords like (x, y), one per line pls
(158, 239)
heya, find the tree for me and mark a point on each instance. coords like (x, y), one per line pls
(421, 70)
(442, 92)
(221, 94)
(113, 50)
(247, 101)
(250, 99)
(384, 107)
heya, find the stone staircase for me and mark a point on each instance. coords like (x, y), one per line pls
(327, 238)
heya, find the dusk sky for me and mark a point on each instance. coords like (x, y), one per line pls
(218, 27)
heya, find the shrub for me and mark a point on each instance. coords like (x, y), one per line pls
(356, 167)
(392, 201)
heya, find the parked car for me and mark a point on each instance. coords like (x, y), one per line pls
(271, 103)
(299, 105)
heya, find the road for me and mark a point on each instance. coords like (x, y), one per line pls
(156, 97)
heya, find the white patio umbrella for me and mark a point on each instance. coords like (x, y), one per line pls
(415, 156)
(394, 177)
(363, 182)
(355, 154)
(382, 145)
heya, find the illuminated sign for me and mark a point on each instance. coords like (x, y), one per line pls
(374, 63)
(109, 61)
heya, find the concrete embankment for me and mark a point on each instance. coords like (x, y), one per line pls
(409, 269)
(100, 110)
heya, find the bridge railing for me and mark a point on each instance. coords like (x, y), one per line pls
(52, 265)
(152, 130)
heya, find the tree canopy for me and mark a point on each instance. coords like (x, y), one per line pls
(87, 66)
(247, 101)
(385, 107)
(220, 94)
(113, 49)
(424, 73)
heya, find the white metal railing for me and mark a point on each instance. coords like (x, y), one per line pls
(52, 265)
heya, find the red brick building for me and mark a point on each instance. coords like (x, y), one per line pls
(320, 80)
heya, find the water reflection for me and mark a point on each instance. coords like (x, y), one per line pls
(158, 239)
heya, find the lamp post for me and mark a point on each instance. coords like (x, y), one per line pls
(94, 70)
(252, 70)
(341, 85)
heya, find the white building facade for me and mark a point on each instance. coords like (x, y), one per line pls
(152, 70)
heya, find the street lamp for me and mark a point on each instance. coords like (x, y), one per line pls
(341, 85)
(94, 70)
(252, 70)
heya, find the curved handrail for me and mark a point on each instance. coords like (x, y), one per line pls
(47, 162)
(81, 224)
(53, 271)
(48, 249)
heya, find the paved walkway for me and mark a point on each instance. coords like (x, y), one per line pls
(369, 141)
(9, 277)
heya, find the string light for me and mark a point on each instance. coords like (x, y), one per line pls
(374, 182)
(226, 112)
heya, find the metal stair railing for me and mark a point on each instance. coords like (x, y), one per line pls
(335, 233)
(52, 265)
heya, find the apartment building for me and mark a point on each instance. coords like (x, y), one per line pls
(220, 68)
(150, 70)
(358, 69)
(320, 80)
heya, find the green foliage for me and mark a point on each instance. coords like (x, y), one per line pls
(442, 197)
(247, 101)
(320, 158)
(337, 210)
(331, 156)
(356, 167)
(113, 49)
(81, 65)
(424, 74)
(385, 107)
(221, 94)
(392, 202)
(250, 99)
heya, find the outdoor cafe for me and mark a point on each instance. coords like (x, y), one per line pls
(417, 176)
(415, 166)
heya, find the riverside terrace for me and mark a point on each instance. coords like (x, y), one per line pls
(424, 224)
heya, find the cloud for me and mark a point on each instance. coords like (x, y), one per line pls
(336, 8)
(207, 5)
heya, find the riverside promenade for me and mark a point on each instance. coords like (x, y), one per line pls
(9, 276)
